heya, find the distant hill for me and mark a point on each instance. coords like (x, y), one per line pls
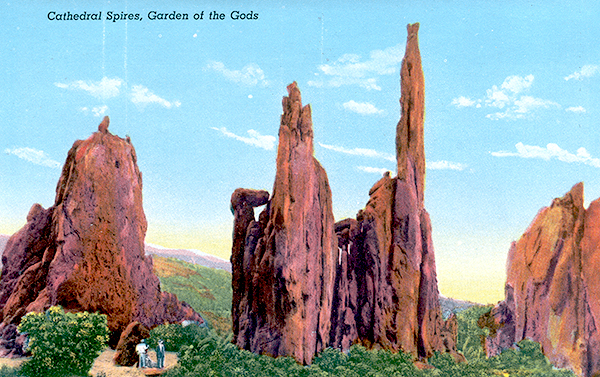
(191, 256)
(450, 305)
(195, 257)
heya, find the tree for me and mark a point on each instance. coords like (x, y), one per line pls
(63, 344)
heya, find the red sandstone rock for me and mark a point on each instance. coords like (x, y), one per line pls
(391, 254)
(86, 252)
(133, 334)
(284, 265)
(552, 286)
(383, 276)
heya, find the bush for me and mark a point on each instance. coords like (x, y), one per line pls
(176, 335)
(63, 344)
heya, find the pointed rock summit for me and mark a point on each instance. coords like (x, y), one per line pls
(86, 252)
(284, 264)
(302, 283)
(388, 293)
(553, 285)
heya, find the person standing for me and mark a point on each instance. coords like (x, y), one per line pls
(141, 350)
(160, 354)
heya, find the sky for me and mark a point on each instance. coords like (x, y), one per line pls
(511, 106)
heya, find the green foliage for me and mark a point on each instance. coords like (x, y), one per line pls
(63, 344)
(207, 290)
(470, 335)
(176, 335)
(6, 371)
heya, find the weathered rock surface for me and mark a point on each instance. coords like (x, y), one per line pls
(552, 286)
(383, 276)
(284, 264)
(86, 252)
(387, 253)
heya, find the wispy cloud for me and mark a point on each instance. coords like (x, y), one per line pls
(509, 98)
(250, 75)
(464, 102)
(363, 108)
(140, 95)
(256, 139)
(576, 109)
(350, 69)
(34, 156)
(445, 165)
(360, 152)
(585, 71)
(103, 89)
(97, 111)
(369, 169)
(551, 151)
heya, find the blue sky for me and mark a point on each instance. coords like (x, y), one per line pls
(511, 106)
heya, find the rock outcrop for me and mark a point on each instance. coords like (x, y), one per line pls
(390, 299)
(553, 285)
(284, 264)
(86, 252)
(295, 292)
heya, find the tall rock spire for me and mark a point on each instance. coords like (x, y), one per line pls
(284, 264)
(410, 147)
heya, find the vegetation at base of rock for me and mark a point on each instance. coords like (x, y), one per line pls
(208, 354)
(207, 290)
(63, 344)
(6, 371)
(175, 335)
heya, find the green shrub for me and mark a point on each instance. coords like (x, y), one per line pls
(63, 344)
(176, 335)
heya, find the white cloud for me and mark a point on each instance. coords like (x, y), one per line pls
(517, 84)
(360, 152)
(369, 169)
(509, 98)
(576, 109)
(140, 95)
(251, 74)
(103, 89)
(363, 108)
(463, 102)
(99, 111)
(551, 151)
(445, 165)
(34, 156)
(350, 70)
(586, 71)
(256, 139)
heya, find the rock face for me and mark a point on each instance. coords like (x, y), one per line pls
(284, 264)
(86, 252)
(387, 264)
(295, 292)
(552, 286)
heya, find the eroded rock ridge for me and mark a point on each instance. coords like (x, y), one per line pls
(86, 252)
(553, 285)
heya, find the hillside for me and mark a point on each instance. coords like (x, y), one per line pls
(207, 290)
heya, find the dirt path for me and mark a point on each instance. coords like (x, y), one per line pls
(105, 364)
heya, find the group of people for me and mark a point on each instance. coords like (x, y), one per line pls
(145, 361)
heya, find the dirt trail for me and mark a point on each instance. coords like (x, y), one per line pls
(104, 364)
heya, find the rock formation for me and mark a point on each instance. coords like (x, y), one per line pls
(390, 299)
(284, 264)
(86, 252)
(553, 285)
(295, 293)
